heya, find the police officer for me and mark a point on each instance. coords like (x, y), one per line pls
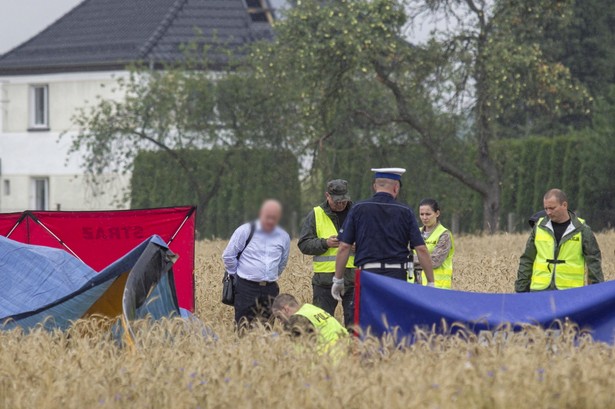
(319, 239)
(559, 251)
(308, 319)
(383, 230)
(440, 243)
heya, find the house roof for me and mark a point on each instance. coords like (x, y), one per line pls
(109, 34)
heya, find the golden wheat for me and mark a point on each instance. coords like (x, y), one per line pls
(177, 365)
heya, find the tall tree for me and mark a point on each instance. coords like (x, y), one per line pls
(584, 42)
(352, 63)
(587, 44)
(182, 107)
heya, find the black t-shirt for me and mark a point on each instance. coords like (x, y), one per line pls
(559, 229)
(341, 216)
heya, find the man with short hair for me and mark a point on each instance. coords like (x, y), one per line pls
(259, 264)
(308, 319)
(384, 230)
(560, 250)
(319, 239)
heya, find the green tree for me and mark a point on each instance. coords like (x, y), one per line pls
(362, 81)
(584, 42)
(180, 108)
(587, 45)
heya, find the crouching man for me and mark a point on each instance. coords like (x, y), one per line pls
(308, 319)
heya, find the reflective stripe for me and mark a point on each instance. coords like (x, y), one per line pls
(318, 259)
(569, 271)
(443, 275)
(325, 263)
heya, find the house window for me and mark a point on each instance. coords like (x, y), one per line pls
(7, 187)
(259, 11)
(40, 194)
(39, 106)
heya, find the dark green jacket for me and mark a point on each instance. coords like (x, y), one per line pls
(312, 245)
(591, 252)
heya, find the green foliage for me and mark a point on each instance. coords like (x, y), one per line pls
(528, 89)
(181, 107)
(257, 174)
(343, 88)
(579, 163)
(587, 45)
(358, 81)
(422, 180)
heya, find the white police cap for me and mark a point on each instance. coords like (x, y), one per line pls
(388, 173)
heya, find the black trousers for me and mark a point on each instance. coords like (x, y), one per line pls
(253, 300)
(324, 300)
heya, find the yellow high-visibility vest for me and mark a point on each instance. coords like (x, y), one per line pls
(443, 275)
(328, 329)
(325, 263)
(568, 267)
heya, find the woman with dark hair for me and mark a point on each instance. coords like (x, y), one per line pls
(440, 244)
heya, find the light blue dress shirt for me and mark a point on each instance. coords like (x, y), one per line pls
(265, 257)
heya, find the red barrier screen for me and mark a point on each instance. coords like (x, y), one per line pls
(99, 238)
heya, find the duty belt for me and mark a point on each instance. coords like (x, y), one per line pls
(385, 266)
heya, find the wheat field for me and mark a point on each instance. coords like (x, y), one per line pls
(179, 365)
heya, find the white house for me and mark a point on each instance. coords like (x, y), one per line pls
(80, 57)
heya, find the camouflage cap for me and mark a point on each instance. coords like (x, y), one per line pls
(338, 189)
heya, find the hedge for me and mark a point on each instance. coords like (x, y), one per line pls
(421, 180)
(251, 176)
(581, 164)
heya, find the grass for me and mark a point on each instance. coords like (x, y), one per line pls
(177, 367)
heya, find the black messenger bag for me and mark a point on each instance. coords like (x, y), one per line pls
(230, 280)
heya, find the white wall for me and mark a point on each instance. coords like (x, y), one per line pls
(67, 93)
(25, 155)
(66, 192)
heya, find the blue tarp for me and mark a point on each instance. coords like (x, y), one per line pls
(50, 286)
(386, 304)
(32, 277)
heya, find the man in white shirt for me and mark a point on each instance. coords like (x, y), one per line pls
(258, 265)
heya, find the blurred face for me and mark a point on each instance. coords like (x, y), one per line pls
(336, 206)
(429, 218)
(270, 215)
(283, 314)
(556, 211)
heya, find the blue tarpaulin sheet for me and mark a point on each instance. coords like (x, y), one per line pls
(386, 304)
(42, 285)
(32, 277)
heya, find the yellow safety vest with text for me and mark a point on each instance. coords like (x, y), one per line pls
(568, 265)
(325, 263)
(443, 275)
(328, 329)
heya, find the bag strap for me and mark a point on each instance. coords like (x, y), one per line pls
(249, 239)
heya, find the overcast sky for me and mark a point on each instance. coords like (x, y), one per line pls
(21, 19)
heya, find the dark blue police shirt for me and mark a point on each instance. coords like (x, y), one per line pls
(382, 228)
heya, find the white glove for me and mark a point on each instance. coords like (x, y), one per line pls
(431, 285)
(337, 289)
